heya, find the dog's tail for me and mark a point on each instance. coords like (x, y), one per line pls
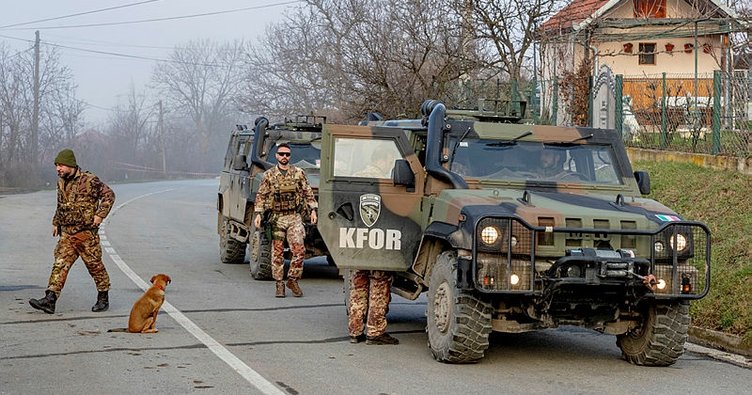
(118, 330)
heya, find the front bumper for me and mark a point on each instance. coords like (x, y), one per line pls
(510, 256)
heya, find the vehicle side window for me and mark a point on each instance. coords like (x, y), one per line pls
(364, 158)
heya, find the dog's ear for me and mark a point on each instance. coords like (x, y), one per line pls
(154, 277)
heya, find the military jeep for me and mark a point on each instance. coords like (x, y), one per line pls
(501, 242)
(249, 154)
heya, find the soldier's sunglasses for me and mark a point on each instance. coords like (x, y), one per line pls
(284, 153)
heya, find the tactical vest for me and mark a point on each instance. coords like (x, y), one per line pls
(74, 210)
(286, 199)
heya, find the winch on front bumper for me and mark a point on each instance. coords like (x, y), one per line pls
(512, 257)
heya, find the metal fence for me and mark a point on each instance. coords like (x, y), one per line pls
(704, 113)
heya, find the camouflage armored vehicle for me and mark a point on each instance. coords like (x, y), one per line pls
(503, 238)
(249, 154)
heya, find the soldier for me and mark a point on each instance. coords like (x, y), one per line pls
(551, 162)
(83, 201)
(286, 192)
(380, 166)
(370, 290)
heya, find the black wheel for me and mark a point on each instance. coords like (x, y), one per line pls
(261, 256)
(230, 250)
(659, 341)
(458, 322)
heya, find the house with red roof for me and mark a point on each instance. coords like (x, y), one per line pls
(687, 40)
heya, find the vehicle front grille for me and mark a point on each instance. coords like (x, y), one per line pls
(513, 256)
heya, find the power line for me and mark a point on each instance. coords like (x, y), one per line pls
(122, 55)
(165, 18)
(105, 43)
(79, 14)
(117, 54)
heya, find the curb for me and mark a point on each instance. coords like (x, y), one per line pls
(720, 346)
(735, 359)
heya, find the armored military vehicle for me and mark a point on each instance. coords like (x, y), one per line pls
(249, 154)
(512, 228)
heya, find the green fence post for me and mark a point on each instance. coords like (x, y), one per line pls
(515, 98)
(716, 112)
(664, 132)
(619, 110)
(555, 103)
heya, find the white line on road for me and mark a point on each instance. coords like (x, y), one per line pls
(250, 375)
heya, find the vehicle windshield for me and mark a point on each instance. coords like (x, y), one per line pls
(304, 155)
(534, 161)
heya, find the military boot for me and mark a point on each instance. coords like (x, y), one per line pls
(382, 339)
(280, 289)
(103, 302)
(46, 304)
(292, 283)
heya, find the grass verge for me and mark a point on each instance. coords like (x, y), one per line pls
(723, 201)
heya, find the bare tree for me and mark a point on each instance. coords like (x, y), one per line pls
(201, 81)
(59, 112)
(128, 127)
(508, 29)
(347, 57)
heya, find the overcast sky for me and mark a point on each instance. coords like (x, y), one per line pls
(104, 79)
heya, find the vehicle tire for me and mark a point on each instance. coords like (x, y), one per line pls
(458, 323)
(261, 256)
(659, 341)
(230, 250)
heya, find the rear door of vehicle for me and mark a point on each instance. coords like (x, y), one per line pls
(368, 222)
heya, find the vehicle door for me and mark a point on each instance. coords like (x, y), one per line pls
(365, 219)
(237, 194)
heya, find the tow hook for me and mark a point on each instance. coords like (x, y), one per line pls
(649, 281)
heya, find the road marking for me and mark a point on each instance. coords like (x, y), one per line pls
(250, 375)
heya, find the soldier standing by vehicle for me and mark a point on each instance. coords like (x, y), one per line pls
(83, 201)
(286, 192)
(370, 290)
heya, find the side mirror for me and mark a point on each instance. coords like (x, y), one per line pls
(402, 174)
(643, 182)
(239, 163)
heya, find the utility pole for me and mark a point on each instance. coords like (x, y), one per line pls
(161, 139)
(35, 113)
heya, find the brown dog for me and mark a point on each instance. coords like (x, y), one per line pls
(143, 317)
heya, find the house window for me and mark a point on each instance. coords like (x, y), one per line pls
(647, 53)
(649, 8)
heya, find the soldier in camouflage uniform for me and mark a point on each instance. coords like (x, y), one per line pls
(370, 290)
(286, 192)
(370, 293)
(83, 201)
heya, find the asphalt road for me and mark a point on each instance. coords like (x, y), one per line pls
(222, 332)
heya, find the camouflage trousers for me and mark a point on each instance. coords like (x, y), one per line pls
(288, 227)
(84, 244)
(370, 293)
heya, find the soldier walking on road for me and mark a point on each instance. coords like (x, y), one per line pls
(286, 192)
(83, 201)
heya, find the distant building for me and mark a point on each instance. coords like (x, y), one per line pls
(641, 38)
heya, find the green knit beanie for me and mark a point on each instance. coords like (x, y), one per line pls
(66, 157)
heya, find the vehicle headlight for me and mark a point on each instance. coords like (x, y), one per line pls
(489, 235)
(678, 242)
(514, 241)
(659, 246)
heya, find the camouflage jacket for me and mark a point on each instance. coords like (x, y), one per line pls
(79, 200)
(285, 192)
